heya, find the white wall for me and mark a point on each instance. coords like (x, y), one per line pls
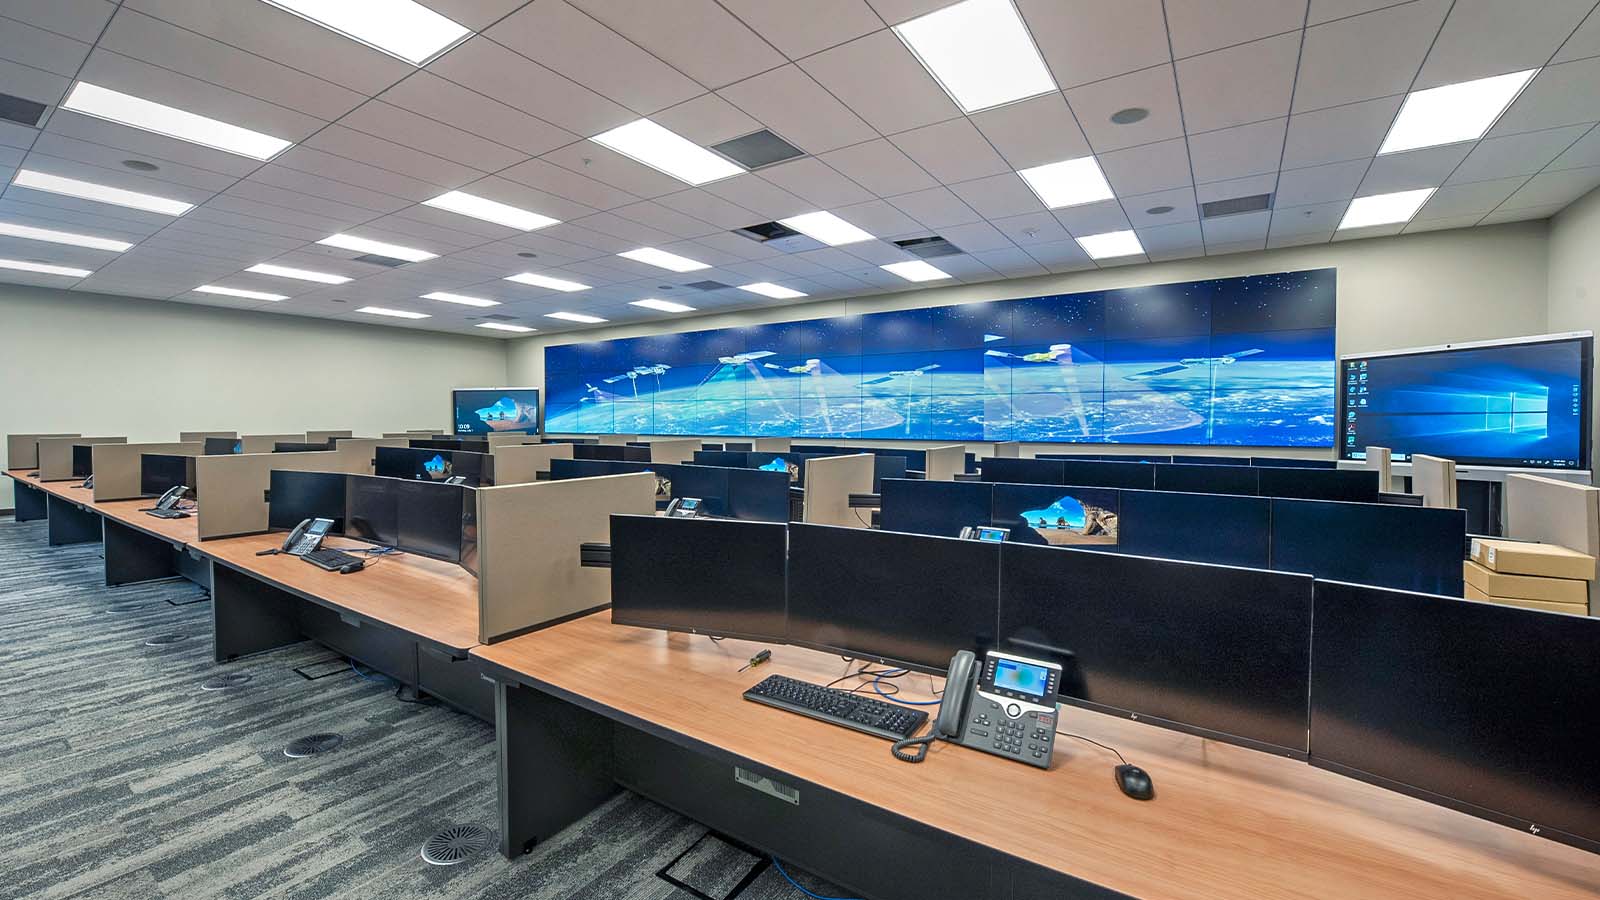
(1574, 283)
(148, 369)
(1411, 290)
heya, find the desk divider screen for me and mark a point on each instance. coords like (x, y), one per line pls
(200, 436)
(1241, 481)
(22, 450)
(498, 440)
(263, 443)
(674, 451)
(366, 447)
(1405, 547)
(522, 463)
(528, 548)
(770, 445)
(323, 437)
(118, 467)
(233, 489)
(829, 483)
(1380, 460)
(939, 508)
(618, 439)
(1433, 477)
(1552, 511)
(55, 455)
(945, 463)
(1008, 450)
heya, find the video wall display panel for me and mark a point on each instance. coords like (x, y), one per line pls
(1245, 361)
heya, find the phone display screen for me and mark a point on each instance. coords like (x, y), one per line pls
(1021, 677)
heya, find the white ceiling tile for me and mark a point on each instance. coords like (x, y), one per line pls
(1237, 152)
(1559, 95)
(1554, 188)
(1093, 218)
(1368, 56)
(1516, 154)
(681, 32)
(1060, 256)
(1315, 218)
(1521, 214)
(349, 171)
(737, 245)
(811, 180)
(999, 196)
(1248, 228)
(791, 103)
(574, 44)
(1583, 43)
(1034, 228)
(935, 208)
(1012, 263)
(1320, 184)
(1088, 40)
(474, 14)
(1236, 187)
(13, 134)
(1586, 152)
(1491, 37)
(1419, 224)
(553, 179)
(328, 189)
(81, 20)
(1241, 84)
(976, 237)
(1338, 134)
(707, 119)
(356, 145)
(880, 167)
(147, 145)
(630, 231)
(1152, 167)
(1328, 10)
(41, 49)
(610, 167)
(1198, 26)
(801, 29)
(708, 207)
(1181, 202)
(896, 11)
(63, 147)
(213, 216)
(409, 129)
(666, 219)
(312, 204)
(426, 94)
(119, 177)
(193, 95)
(879, 78)
(492, 70)
(1150, 89)
(33, 84)
(951, 151)
(1246, 246)
(1413, 169)
(881, 219)
(756, 194)
(1033, 132)
(1476, 199)
(1277, 241)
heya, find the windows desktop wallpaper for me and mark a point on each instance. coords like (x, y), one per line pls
(1246, 361)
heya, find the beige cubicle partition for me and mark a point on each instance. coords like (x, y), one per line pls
(510, 440)
(830, 481)
(363, 448)
(1379, 460)
(1008, 450)
(1434, 477)
(945, 463)
(322, 437)
(771, 445)
(521, 464)
(117, 466)
(528, 548)
(675, 451)
(55, 455)
(187, 436)
(398, 434)
(22, 450)
(232, 487)
(263, 443)
(1557, 512)
(617, 439)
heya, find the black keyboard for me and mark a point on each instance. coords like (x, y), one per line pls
(864, 714)
(332, 560)
(167, 513)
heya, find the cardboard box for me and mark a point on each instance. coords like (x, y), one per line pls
(1525, 558)
(1576, 609)
(1526, 587)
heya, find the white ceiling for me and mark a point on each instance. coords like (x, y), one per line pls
(1245, 96)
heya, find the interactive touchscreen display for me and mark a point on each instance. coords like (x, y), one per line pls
(1017, 676)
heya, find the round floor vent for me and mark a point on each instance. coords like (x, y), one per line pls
(224, 682)
(312, 744)
(456, 844)
(167, 640)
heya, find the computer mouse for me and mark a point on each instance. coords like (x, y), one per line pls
(1135, 782)
(353, 567)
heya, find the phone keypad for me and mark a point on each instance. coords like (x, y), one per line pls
(1028, 737)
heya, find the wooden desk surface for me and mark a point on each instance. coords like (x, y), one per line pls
(127, 512)
(1226, 822)
(436, 601)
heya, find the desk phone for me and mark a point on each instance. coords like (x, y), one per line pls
(307, 536)
(984, 533)
(685, 508)
(1008, 708)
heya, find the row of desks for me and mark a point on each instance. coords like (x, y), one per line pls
(584, 708)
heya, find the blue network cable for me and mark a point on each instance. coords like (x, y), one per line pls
(797, 886)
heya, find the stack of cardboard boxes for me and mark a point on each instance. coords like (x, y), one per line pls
(1538, 576)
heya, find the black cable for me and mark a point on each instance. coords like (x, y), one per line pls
(1096, 743)
(917, 755)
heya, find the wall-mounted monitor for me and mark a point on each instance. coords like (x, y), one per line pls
(1245, 361)
(495, 410)
(1521, 403)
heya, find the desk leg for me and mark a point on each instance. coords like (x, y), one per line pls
(248, 616)
(29, 503)
(133, 556)
(71, 524)
(555, 765)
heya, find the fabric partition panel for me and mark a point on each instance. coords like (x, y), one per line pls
(829, 483)
(521, 464)
(233, 487)
(1551, 511)
(263, 443)
(55, 455)
(945, 463)
(117, 467)
(22, 450)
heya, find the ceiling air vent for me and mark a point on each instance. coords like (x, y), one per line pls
(19, 110)
(767, 231)
(498, 317)
(1235, 205)
(708, 285)
(758, 149)
(377, 260)
(931, 247)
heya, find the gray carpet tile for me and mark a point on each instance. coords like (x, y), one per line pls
(120, 777)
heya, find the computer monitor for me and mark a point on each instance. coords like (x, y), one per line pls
(429, 519)
(729, 458)
(1136, 457)
(1485, 708)
(940, 508)
(739, 446)
(618, 452)
(495, 410)
(296, 496)
(82, 460)
(1207, 479)
(299, 447)
(1200, 460)
(1291, 462)
(159, 472)
(755, 495)
(1100, 473)
(900, 599)
(1348, 485)
(705, 576)
(1210, 528)
(1216, 650)
(792, 463)
(373, 511)
(708, 483)
(1058, 516)
(579, 468)
(1378, 544)
(424, 464)
(887, 465)
(1009, 470)
(221, 446)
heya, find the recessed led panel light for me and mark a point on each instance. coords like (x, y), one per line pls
(147, 115)
(915, 270)
(377, 248)
(545, 281)
(501, 326)
(99, 193)
(775, 291)
(1384, 209)
(980, 53)
(490, 211)
(575, 317)
(399, 28)
(300, 274)
(238, 292)
(645, 141)
(28, 232)
(462, 299)
(1453, 113)
(43, 268)
(391, 313)
(1111, 244)
(1071, 182)
(827, 228)
(662, 305)
(663, 259)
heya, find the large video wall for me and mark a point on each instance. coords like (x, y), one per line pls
(1240, 361)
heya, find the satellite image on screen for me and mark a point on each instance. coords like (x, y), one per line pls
(1242, 361)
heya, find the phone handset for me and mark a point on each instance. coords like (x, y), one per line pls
(306, 537)
(170, 499)
(952, 710)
